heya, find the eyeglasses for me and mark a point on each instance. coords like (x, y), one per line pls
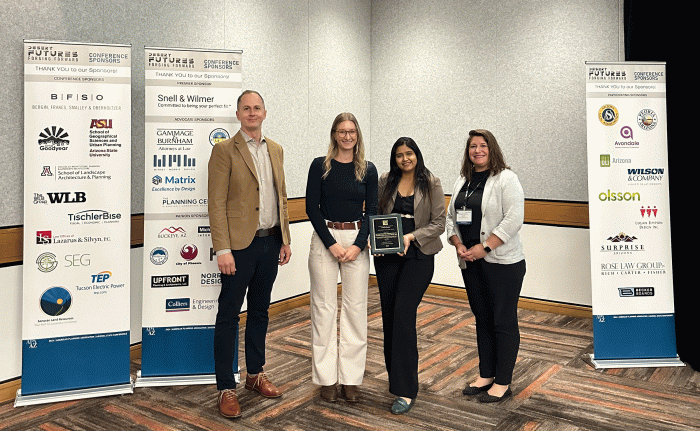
(345, 132)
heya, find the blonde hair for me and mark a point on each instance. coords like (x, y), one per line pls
(358, 154)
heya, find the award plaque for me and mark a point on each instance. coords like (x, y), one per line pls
(386, 234)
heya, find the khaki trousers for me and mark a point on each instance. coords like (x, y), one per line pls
(332, 361)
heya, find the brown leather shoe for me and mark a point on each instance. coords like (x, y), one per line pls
(260, 383)
(351, 393)
(228, 404)
(329, 393)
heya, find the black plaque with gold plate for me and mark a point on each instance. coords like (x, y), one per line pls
(386, 234)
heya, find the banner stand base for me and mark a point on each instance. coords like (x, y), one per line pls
(183, 380)
(632, 363)
(75, 394)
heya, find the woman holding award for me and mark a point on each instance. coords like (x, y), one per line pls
(408, 189)
(341, 194)
(483, 223)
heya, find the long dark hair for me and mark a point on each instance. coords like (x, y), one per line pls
(421, 173)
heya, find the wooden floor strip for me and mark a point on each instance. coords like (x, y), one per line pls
(553, 387)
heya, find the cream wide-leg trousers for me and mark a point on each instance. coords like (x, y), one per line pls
(333, 362)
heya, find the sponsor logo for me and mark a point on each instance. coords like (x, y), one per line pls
(605, 160)
(55, 301)
(203, 231)
(46, 262)
(66, 197)
(608, 115)
(46, 171)
(159, 256)
(204, 304)
(619, 196)
(103, 141)
(648, 221)
(218, 135)
(77, 97)
(39, 199)
(635, 291)
(174, 137)
(646, 119)
(632, 268)
(177, 304)
(626, 133)
(160, 281)
(173, 161)
(43, 237)
(174, 183)
(101, 277)
(645, 175)
(105, 123)
(172, 232)
(53, 139)
(93, 217)
(211, 278)
(622, 244)
(74, 260)
(649, 211)
(189, 252)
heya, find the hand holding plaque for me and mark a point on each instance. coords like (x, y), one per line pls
(386, 234)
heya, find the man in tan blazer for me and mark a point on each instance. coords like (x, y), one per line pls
(250, 233)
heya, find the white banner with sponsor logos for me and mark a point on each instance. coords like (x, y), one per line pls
(190, 105)
(630, 230)
(77, 195)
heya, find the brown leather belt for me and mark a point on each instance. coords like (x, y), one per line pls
(267, 232)
(344, 225)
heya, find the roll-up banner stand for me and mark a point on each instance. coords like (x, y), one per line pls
(77, 195)
(190, 101)
(630, 228)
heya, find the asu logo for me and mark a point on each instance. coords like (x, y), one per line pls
(101, 124)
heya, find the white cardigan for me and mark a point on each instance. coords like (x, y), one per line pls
(503, 211)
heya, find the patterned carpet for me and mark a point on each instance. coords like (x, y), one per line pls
(553, 388)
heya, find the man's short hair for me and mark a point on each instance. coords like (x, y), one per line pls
(238, 102)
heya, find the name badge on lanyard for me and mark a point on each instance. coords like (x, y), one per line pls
(464, 216)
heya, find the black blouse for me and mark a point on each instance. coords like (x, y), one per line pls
(470, 197)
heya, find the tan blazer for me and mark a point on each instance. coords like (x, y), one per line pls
(428, 212)
(234, 198)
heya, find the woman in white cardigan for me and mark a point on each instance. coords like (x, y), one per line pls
(483, 223)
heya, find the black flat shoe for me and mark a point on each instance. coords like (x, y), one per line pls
(473, 390)
(487, 398)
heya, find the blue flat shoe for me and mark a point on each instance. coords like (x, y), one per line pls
(400, 406)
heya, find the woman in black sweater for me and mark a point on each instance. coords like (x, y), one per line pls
(341, 194)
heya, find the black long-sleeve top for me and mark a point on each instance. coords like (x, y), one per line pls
(340, 197)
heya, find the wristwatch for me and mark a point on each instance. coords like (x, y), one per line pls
(486, 247)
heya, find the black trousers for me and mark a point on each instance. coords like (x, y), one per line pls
(256, 270)
(493, 290)
(402, 281)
